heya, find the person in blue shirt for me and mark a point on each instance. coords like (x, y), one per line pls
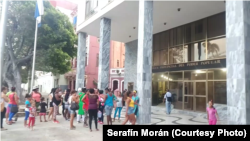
(27, 106)
(109, 105)
(136, 99)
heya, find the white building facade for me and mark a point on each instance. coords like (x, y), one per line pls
(195, 49)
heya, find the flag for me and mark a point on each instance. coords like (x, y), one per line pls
(39, 11)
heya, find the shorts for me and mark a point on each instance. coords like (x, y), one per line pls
(66, 107)
(130, 110)
(42, 114)
(72, 111)
(51, 104)
(108, 110)
(27, 113)
(212, 122)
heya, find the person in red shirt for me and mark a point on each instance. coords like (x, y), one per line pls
(85, 101)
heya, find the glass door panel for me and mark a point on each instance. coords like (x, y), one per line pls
(200, 104)
(200, 88)
(189, 88)
(189, 103)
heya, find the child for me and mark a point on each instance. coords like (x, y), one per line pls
(212, 114)
(28, 105)
(32, 115)
(43, 106)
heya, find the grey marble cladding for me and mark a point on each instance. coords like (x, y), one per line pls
(130, 71)
(144, 60)
(81, 56)
(104, 53)
(238, 64)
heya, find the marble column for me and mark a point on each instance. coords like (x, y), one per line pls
(238, 61)
(130, 70)
(104, 54)
(144, 60)
(81, 57)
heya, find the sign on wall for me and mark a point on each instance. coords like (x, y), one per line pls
(208, 64)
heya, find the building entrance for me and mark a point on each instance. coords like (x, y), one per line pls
(195, 95)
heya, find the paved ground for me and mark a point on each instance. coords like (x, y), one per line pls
(60, 132)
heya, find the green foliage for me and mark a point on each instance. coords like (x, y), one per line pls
(55, 38)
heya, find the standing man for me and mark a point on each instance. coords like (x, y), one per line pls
(136, 100)
(168, 100)
(109, 99)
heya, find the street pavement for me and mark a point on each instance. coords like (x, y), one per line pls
(60, 132)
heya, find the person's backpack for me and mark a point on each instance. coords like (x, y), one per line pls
(169, 99)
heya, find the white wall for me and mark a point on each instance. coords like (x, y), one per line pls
(81, 12)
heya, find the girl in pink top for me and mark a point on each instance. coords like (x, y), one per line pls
(212, 114)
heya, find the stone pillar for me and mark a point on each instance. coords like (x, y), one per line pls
(81, 57)
(104, 54)
(130, 70)
(238, 64)
(144, 60)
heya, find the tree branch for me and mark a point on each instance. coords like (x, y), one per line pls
(20, 47)
(25, 59)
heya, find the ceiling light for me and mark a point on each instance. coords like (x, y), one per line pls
(161, 75)
(134, 27)
(165, 23)
(224, 69)
(195, 74)
(129, 36)
(179, 9)
(198, 71)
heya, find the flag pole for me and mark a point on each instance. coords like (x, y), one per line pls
(3, 36)
(34, 60)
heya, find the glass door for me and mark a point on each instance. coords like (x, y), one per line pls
(188, 102)
(200, 96)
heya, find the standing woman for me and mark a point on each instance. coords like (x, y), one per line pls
(80, 114)
(66, 112)
(101, 105)
(56, 102)
(74, 98)
(4, 105)
(51, 103)
(119, 106)
(36, 96)
(93, 108)
(13, 104)
(130, 104)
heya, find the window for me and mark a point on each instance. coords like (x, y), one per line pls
(97, 60)
(156, 59)
(176, 55)
(216, 48)
(157, 42)
(163, 40)
(194, 52)
(164, 57)
(117, 63)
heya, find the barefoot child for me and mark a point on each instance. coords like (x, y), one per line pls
(27, 106)
(32, 115)
(43, 106)
(212, 114)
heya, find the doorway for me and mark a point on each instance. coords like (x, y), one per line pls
(115, 85)
(195, 97)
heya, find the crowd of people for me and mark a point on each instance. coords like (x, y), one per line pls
(84, 104)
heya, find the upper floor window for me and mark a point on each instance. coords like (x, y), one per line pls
(90, 6)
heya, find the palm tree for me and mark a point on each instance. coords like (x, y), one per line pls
(212, 48)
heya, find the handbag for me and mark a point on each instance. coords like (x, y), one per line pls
(74, 106)
(13, 109)
(2, 106)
